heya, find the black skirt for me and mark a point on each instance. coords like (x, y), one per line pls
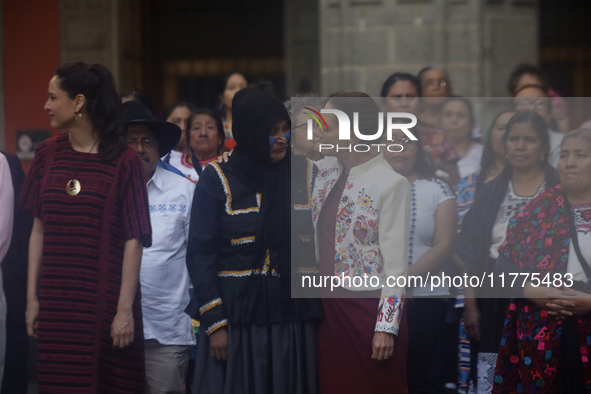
(262, 359)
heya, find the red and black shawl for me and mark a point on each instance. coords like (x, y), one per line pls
(538, 241)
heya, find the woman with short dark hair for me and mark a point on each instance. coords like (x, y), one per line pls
(402, 93)
(205, 138)
(433, 221)
(180, 157)
(361, 211)
(87, 192)
(230, 84)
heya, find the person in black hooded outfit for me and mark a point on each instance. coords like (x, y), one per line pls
(238, 258)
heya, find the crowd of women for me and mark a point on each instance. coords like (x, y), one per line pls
(269, 208)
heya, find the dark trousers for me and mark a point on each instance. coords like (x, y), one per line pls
(426, 323)
(15, 364)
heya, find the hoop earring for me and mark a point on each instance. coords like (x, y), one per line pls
(78, 117)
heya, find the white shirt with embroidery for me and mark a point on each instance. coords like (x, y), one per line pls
(164, 277)
(426, 195)
(371, 231)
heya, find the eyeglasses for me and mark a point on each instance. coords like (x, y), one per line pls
(284, 138)
(146, 142)
(302, 126)
(529, 103)
(430, 84)
(402, 141)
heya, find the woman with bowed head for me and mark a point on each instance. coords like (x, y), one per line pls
(526, 175)
(457, 122)
(361, 212)
(433, 221)
(239, 260)
(231, 83)
(205, 138)
(545, 341)
(402, 93)
(180, 157)
(87, 192)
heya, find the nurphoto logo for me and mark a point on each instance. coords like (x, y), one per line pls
(345, 129)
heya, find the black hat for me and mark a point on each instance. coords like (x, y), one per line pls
(168, 134)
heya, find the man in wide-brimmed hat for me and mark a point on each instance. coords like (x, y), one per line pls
(163, 277)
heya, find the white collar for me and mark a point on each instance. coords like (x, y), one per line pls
(157, 178)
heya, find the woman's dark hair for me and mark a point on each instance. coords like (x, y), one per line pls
(362, 104)
(397, 77)
(222, 87)
(164, 115)
(468, 105)
(520, 71)
(539, 125)
(218, 124)
(142, 97)
(488, 154)
(103, 105)
(266, 86)
(424, 163)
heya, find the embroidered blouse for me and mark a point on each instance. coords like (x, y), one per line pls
(371, 231)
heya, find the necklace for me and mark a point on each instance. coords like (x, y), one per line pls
(73, 186)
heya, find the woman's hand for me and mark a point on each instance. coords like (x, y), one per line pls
(223, 158)
(554, 300)
(579, 304)
(382, 345)
(472, 319)
(218, 341)
(31, 317)
(122, 329)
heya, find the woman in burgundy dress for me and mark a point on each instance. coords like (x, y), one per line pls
(87, 192)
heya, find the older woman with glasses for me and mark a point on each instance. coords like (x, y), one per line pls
(435, 87)
(300, 109)
(546, 338)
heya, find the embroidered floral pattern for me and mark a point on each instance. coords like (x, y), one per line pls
(582, 216)
(389, 311)
(325, 180)
(168, 208)
(538, 240)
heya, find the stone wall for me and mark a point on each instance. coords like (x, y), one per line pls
(90, 32)
(479, 42)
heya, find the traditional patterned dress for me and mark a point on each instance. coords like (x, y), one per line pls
(539, 353)
(80, 275)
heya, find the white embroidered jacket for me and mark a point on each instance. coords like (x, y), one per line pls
(371, 230)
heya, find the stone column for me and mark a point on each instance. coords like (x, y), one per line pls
(478, 42)
(90, 32)
(302, 51)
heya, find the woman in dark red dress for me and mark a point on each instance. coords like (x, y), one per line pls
(87, 192)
